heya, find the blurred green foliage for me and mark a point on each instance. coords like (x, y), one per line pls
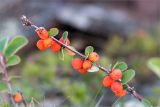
(154, 65)
(135, 50)
(43, 72)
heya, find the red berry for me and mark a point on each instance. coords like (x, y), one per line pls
(40, 45)
(116, 74)
(48, 42)
(121, 93)
(82, 70)
(107, 81)
(116, 87)
(77, 63)
(55, 47)
(67, 41)
(42, 33)
(87, 64)
(93, 57)
(18, 97)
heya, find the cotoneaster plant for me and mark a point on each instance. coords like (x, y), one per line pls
(117, 76)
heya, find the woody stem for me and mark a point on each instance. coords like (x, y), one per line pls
(6, 76)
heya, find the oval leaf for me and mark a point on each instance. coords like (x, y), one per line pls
(88, 50)
(3, 43)
(154, 65)
(127, 76)
(65, 35)
(93, 69)
(13, 60)
(53, 32)
(120, 65)
(146, 103)
(15, 45)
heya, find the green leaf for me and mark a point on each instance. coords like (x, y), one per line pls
(2, 86)
(93, 69)
(13, 60)
(88, 50)
(15, 45)
(65, 35)
(3, 43)
(53, 32)
(154, 65)
(125, 86)
(146, 103)
(127, 76)
(120, 65)
(61, 54)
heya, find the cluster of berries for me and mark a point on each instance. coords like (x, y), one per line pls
(84, 65)
(112, 81)
(46, 41)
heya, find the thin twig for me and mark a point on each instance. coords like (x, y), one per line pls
(7, 80)
(130, 90)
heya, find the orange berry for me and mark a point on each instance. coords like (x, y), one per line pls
(40, 45)
(87, 64)
(55, 47)
(107, 81)
(93, 57)
(42, 33)
(18, 97)
(121, 93)
(47, 42)
(67, 41)
(116, 74)
(77, 63)
(82, 70)
(116, 87)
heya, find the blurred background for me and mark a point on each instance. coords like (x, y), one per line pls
(120, 30)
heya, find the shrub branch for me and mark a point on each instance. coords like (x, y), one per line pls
(131, 90)
(7, 80)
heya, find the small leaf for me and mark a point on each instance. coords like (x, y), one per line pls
(88, 50)
(120, 65)
(127, 76)
(15, 45)
(61, 54)
(2, 86)
(93, 69)
(13, 60)
(125, 87)
(53, 32)
(3, 43)
(65, 35)
(146, 103)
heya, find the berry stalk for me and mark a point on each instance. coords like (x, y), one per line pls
(130, 90)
